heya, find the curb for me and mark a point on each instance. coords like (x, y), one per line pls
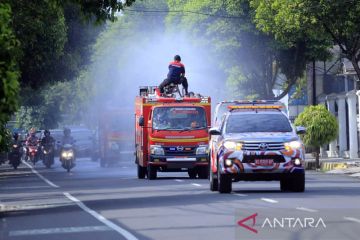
(326, 166)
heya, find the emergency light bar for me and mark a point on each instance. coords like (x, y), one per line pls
(255, 107)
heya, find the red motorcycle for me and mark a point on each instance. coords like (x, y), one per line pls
(33, 154)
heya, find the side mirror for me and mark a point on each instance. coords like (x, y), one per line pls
(141, 121)
(300, 130)
(214, 131)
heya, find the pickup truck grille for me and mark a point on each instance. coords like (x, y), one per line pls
(263, 146)
(179, 151)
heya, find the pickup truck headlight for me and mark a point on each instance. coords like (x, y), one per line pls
(156, 150)
(233, 146)
(293, 145)
(202, 149)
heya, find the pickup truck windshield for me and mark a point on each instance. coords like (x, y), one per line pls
(258, 122)
(179, 118)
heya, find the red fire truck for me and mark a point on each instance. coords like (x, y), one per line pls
(114, 134)
(171, 134)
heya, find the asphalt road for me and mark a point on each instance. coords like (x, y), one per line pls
(111, 203)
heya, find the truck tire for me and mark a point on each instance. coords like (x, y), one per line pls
(224, 183)
(192, 173)
(203, 172)
(141, 172)
(298, 183)
(151, 172)
(213, 181)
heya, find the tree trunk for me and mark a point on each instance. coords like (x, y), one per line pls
(317, 158)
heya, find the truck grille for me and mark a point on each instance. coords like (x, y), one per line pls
(179, 151)
(263, 146)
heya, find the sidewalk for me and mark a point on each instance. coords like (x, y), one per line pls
(335, 165)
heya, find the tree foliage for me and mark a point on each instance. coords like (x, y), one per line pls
(318, 23)
(252, 59)
(9, 72)
(322, 127)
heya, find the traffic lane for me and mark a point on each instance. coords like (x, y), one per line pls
(45, 213)
(321, 191)
(162, 207)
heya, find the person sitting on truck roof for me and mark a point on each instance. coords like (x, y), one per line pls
(176, 75)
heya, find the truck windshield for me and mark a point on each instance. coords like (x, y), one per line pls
(179, 118)
(243, 123)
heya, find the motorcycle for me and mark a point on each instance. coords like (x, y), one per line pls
(15, 155)
(48, 155)
(67, 157)
(33, 154)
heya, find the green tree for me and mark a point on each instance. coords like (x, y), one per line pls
(321, 127)
(9, 72)
(319, 23)
(252, 59)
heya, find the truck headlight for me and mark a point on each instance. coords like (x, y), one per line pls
(202, 149)
(156, 150)
(293, 145)
(234, 146)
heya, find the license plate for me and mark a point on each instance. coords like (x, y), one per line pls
(264, 162)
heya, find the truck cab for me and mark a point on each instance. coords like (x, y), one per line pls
(171, 134)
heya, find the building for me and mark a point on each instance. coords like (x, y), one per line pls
(335, 88)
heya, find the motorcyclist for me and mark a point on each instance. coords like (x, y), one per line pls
(48, 140)
(32, 140)
(176, 75)
(67, 138)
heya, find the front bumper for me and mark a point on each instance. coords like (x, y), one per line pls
(175, 162)
(245, 163)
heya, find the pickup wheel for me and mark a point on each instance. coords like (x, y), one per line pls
(285, 184)
(192, 173)
(151, 172)
(141, 172)
(298, 183)
(224, 182)
(203, 172)
(213, 181)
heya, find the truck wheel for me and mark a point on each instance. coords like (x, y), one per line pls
(192, 173)
(203, 172)
(224, 182)
(213, 181)
(141, 172)
(151, 172)
(298, 183)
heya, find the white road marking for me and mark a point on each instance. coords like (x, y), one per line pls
(352, 219)
(306, 209)
(179, 180)
(46, 231)
(40, 176)
(269, 200)
(124, 167)
(240, 195)
(196, 184)
(18, 207)
(27, 187)
(101, 218)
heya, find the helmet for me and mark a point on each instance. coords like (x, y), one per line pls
(16, 135)
(177, 58)
(32, 130)
(67, 131)
(47, 132)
